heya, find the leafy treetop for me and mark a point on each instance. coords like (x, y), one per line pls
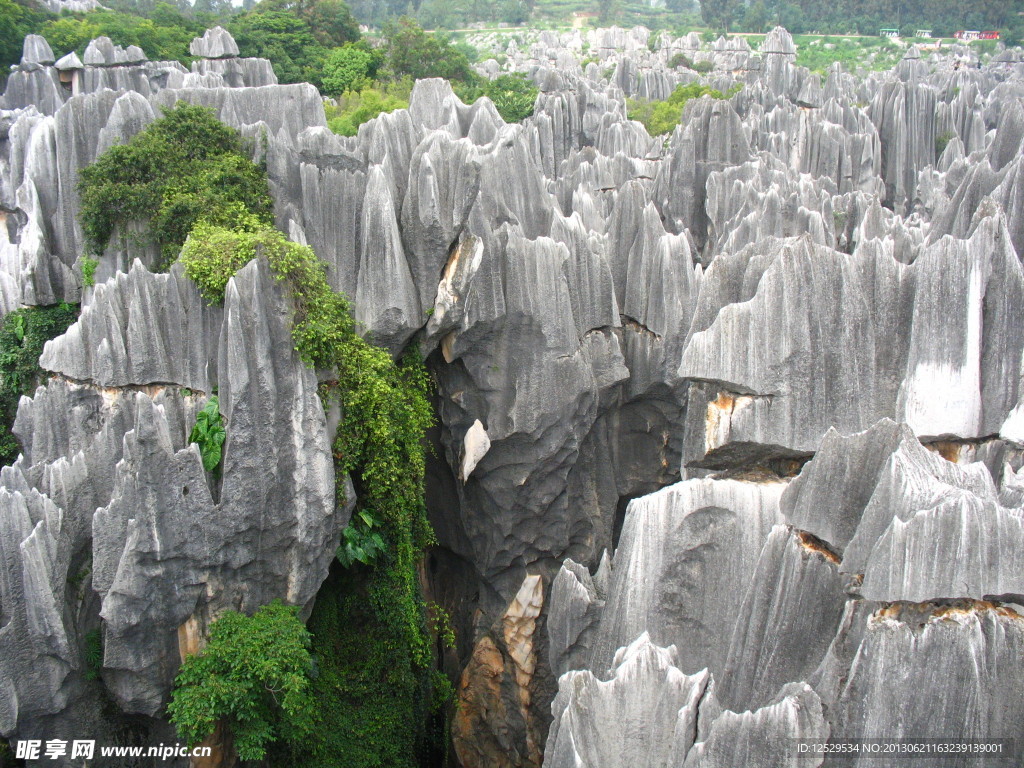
(254, 676)
(660, 117)
(183, 168)
(416, 53)
(513, 95)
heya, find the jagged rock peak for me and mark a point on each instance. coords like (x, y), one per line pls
(778, 41)
(216, 43)
(36, 50)
(102, 52)
(69, 61)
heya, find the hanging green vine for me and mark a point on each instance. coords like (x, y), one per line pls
(371, 642)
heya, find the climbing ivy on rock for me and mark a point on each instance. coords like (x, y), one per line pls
(23, 333)
(375, 686)
(184, 168)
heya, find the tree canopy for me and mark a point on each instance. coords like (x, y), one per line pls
(295, 35)
(183, 168)
(253, 675)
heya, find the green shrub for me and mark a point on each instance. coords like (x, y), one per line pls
(354, 109)
(253, 676)
(660, 117)
(164, 37)
(680, 60)
(93, 654)
(88, 267)
(212, 254)
(208, 433)
(359, 542)
(942, 141)
(183, 168)
(22, 336)
(702, 66)
(513, 95)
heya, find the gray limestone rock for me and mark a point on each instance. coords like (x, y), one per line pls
(603, 314)
(767, 737)
(141, 329)
(643, 716)
(36, 51)
(172, 546)
(969, 651)
(791, 611)
(216, 43)
(686, 551)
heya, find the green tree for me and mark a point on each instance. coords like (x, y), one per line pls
(282, 37)
(346, 69)
(755, 18)
(417, 54)
(720, 14)
(23, 333)
(183, 168)
(164, 37)
(513, 95)
(330, 21)
(295, 35)
(17, 19)
(253, 676)
(660, 117)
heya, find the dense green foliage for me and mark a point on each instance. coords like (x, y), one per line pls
(22, 336)
(93, 654)
(347, 68)
(17, 19)
(680, 60)
(295, 35)
(253, 676)
(374, 685)
(184, 168)
(355, 108)
(818, 53)
(88, 267)
(415, 53)
(360, 543)
(863, 16)
(513, 95)
(6, 755)
(209, 434)
(660, 117)
(164, 36)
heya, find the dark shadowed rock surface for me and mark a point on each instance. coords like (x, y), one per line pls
(731, 421)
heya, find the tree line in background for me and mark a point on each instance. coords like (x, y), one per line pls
(300, 37)
(866, 17)
(314, 41)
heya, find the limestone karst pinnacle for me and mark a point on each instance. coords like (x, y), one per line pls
(730, 420)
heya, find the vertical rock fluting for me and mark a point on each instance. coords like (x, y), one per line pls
(794, 271)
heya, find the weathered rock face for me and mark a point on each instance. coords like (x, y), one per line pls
(109, 497)
(794, 283)
(887, 569)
